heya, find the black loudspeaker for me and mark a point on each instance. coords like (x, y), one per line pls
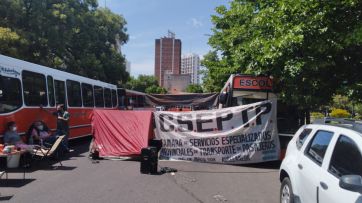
(149, 159)
(156, 143)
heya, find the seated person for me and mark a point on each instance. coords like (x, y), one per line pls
(11, 137)
(39, 133)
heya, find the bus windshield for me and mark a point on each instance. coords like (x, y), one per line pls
(238, 101)
(10, 94)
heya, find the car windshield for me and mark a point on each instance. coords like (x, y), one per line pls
(10, 94)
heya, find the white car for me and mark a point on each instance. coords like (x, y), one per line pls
(323, 164)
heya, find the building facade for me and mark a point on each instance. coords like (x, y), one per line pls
(167, 57)
(190, 64)
(176, 83)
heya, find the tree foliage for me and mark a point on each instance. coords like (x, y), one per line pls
(155, 89)
(141, 83)
(145, 83)
(343, 102)
(194, 88)
(340, 113)
(71, 35)
(312, 48)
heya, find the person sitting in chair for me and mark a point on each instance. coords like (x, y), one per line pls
(39, 134)
(11, 136)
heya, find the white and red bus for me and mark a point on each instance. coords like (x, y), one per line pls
(26, 87)
(131, 99)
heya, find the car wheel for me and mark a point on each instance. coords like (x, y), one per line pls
(286, 191)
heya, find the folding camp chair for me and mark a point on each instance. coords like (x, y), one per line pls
(2, 173)
(46, 153)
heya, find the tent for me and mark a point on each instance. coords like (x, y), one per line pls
(121, 133)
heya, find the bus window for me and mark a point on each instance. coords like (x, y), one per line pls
(141, 101)
(121, 97)
(73, 93)
(98, 95)
(107, 97)
(87, 91)
(34, 87)
(59, 92)
(51, 91)
(10, 94)
(114, 98)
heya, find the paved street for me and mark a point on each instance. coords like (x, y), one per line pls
(80, 181)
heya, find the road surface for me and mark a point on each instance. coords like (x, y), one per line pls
(82, 181)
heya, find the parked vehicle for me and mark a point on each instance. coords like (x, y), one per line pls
(131, 99)
(246, 89)
(25, 87)
(323, 164)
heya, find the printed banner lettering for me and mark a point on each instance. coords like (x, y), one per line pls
(235, 135)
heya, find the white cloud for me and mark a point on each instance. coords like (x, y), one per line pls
(196, 23)
(137, 36)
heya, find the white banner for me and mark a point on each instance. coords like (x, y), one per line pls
(236, 135)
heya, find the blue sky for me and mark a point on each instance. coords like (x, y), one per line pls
(148, 20)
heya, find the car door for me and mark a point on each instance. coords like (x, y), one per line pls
(346, 159)
(310, 165)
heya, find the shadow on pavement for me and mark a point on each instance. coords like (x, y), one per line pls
(59, 168)
(229, 172)
(15, 182)
(265, 165)
(80, 146)
(6, 198)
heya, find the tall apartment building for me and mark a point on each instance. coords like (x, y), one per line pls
(167, 57)
(190, 64)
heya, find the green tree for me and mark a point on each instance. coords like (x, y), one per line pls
(343, 102)
(311, 48)
(340, 113)
(141, 83)
(214, 75)
(194, 88)
(72, 35)
(155, 89)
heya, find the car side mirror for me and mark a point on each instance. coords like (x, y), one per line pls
(351, 183)
(223, 97)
